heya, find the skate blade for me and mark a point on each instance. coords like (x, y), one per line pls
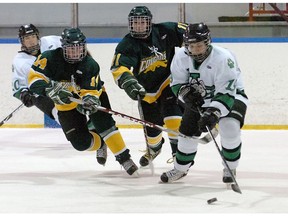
(135, 175)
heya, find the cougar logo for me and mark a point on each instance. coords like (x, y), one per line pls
(155, 51)
(152, 62)
(157, 64)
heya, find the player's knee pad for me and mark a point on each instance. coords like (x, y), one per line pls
(172, 123)
(81, 141)
(187, 145)
(230, 132)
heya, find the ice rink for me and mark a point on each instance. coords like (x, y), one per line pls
(41, 173)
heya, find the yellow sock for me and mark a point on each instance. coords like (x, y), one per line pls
(96, 142)
(115, 142)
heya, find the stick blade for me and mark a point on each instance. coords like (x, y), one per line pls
(236, 188)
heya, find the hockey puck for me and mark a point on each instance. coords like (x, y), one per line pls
(212, 200)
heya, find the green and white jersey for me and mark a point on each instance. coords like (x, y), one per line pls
(218, 75)
(81, 78)
(22, 63)
(149, 59)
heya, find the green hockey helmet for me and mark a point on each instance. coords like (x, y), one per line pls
(26, 32)
(73, 42)
(140, 22)
(196, 33)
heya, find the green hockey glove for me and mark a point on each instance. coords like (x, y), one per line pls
(131, 86)
(90, 105)
(58, 93)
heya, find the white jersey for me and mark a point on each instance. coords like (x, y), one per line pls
(217, 74)
(23, 61)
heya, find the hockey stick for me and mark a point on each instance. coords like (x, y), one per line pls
(204, 140)
(235, 187)
(151, 165)
(11, 114)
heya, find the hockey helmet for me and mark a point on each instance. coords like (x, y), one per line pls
(73, 42)
(140, 22)
(25, 31)
(194, 34)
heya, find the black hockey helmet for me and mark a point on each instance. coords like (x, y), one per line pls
(73, 42)
(195, 33)
(138, 15)
(27, 30)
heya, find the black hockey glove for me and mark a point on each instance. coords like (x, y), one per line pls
(131, 86)
(209, 118)
(190, 96)
(90, 105)
(58, 93)
(27, 98)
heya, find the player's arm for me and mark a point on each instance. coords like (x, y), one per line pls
(20, 70)
(19, 78)
(124, 77)
(37, 80)
(91, 89)
(225, 87)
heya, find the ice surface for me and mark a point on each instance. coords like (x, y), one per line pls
(40, 172)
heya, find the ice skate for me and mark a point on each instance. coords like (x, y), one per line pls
(227, 178)
(172, 175)
(144, 160)
(130, 167)
(101, 154)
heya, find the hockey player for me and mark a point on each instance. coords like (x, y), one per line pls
(149, 49)
(69, 72)
(31, 47)
(207, 80)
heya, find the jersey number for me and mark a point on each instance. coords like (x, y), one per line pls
(41, 63)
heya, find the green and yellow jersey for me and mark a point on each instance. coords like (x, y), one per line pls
(80, 78)
(149, 59)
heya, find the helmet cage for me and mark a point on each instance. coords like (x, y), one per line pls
(198, 57)
(74, 53)
(195, 33)
(25, 31)
(140, 26)
(73, 43)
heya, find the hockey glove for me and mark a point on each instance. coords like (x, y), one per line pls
(190, 96)
(58, 93)
(209, 119)
(131, 86)
(90, 105)
(27, 98)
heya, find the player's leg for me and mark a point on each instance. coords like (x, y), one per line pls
(172, 115)
(46, 105)
(186, 148)
(106, 127)
(76, 131)
(155, 140)
(101, 154)
(230, 134)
